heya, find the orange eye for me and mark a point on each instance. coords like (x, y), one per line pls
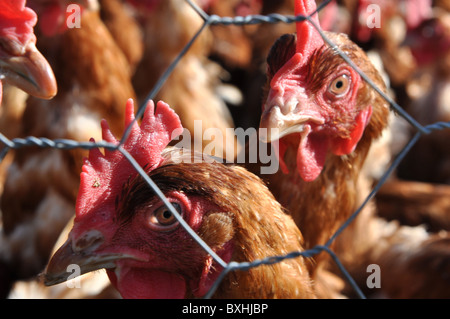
(340, 85)
(163, 219)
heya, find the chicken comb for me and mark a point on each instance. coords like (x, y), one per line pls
(308, 38)
(103, 176)
(17, 21)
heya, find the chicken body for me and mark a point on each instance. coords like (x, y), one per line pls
(428, 96)
(23, 70)
(93, 77)
(193, 88)
(142, 244)
(125, 30)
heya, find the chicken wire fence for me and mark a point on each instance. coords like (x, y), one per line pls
(209, 20)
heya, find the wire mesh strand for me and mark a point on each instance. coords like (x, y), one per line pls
(65, 144)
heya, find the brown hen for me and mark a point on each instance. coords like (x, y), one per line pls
(328, 118)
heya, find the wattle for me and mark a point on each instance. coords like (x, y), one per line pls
(140, 283)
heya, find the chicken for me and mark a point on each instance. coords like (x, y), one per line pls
(21, 64)
(309, 135)
(122, 225)
(194, 86)
(325, 117)
(93, 77)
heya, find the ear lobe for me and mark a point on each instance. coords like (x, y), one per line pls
(346, 146)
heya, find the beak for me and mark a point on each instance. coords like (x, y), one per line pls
(74, 259)
(276, 124)
(30, 72)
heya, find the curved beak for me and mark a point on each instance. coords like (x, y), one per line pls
(29, 71)
(74, 259)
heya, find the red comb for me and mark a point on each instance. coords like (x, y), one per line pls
(308, 38)
(103, 176)
(17, 21)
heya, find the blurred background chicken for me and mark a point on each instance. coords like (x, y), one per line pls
(413, 45)
(23, 71)
(195, 88)
(220, 81)
(142, 245)
(428, 93)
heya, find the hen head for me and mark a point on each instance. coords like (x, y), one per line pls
(317, 101)
(21, 64)
(121, 224)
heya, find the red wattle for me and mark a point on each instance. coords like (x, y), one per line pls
(342, 146)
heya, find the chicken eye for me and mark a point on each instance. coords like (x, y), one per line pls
(340, 85)
(162, 218)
